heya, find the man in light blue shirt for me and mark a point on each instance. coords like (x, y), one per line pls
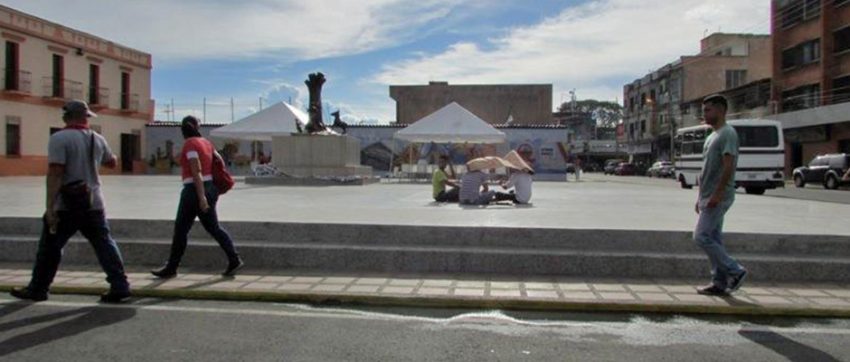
(716, 195)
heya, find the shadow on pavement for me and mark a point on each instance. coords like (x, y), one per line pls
(85, 319)
(13, 307)
(792, 350)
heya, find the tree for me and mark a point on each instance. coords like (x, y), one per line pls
(606, 113)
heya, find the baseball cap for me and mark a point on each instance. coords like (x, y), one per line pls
(77, 108)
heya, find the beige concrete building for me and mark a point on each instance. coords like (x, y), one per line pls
(44, 64)
(523, 104)
(737, 65)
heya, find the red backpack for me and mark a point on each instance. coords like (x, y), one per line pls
(221, 178)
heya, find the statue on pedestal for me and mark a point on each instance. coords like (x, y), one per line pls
(314, 84)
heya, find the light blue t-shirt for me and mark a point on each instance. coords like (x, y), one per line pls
(723, 141)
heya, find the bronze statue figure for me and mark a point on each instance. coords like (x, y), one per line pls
(338, 123)
(314, 84)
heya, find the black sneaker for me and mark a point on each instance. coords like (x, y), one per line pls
(27, 294)
(114, 297)
(712, 290)
(232, 267)
(737, 280)
(165, 272)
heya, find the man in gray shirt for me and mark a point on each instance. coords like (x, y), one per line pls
(471, 185)
(74, 154)
(716, 195)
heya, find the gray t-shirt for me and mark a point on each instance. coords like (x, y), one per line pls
(723, 141)
(70, 147)
(470, 185)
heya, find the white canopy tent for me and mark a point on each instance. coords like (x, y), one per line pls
(276, 120)
(450, 124)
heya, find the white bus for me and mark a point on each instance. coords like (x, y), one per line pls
(761, 154)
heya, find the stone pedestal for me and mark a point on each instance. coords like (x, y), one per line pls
(316, 160)
(318, 156)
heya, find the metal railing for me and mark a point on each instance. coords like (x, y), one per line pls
(62, 88)
(99, 96)
(17, 80)
(130, 102)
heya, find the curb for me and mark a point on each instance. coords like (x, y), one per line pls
(744, 309)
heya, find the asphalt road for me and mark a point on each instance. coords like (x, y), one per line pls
(73, 328)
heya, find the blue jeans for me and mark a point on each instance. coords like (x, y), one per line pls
(93, 225)
(709, 236)
(187, 211)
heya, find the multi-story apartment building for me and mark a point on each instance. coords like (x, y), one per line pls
(43, 65)
(811, 76)
(737, 65)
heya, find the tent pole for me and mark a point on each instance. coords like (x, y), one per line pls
(392, 154)
(451, 164)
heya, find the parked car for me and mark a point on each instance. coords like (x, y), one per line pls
(610, 166)
(661, 169)
(823, 169)
(625, 169)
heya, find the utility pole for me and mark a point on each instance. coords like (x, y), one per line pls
(573, 99)
(261, 103)
(205, 109)
(232, 114)
(672, 126)
(172, 109)
(167, 112)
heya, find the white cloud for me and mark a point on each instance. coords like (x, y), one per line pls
(285, 92)
(218, 109)
(589, 47)
(281, 29)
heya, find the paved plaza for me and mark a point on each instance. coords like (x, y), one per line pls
(597, 202)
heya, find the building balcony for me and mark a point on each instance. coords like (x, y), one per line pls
(98, 97)
(17, 81)
(129, 102)
(62, 88)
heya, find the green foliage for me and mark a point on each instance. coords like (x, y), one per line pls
(606, 113)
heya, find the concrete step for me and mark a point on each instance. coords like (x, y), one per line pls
(490, 237)
(342, 257)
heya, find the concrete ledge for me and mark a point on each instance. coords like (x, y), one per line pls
(602, 240)
(461, 260)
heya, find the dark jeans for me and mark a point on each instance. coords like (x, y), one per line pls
(509, 196)
(93, 225)
(187, 211)
(450, 195)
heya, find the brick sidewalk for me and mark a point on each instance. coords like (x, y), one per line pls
(407, 290)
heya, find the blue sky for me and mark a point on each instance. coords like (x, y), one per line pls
(247, 50)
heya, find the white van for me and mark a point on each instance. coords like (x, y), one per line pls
(761, 154)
